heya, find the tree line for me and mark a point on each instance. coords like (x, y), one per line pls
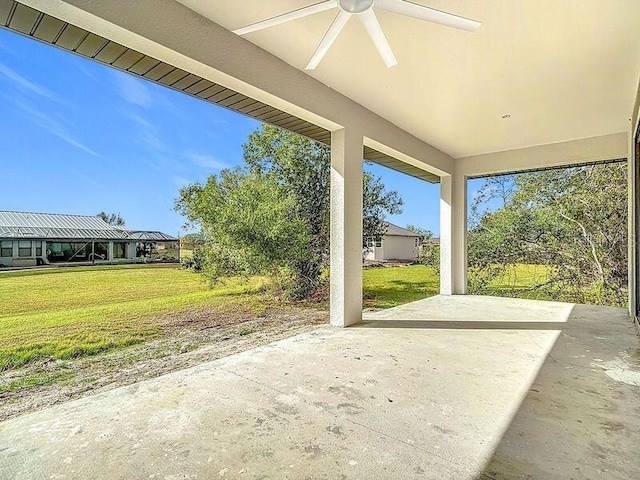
(572, 220)
(270, 216)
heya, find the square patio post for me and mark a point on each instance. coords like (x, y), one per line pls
(453, 235)
(346, 228)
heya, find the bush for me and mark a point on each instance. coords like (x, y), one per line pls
(430, 255)
(194, 262)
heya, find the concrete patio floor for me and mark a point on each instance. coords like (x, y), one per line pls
(444, 388)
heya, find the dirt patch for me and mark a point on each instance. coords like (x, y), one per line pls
(188, 339)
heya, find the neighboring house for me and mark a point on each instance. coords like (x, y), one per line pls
(397, 244)
(30, 239)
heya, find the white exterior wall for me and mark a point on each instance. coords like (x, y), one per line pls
(399, 248)
(394, 247)
(374, 253)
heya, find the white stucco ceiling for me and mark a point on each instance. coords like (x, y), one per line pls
(563, 69)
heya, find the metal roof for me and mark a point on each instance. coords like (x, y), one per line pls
(399, 231)
(150, 236)
(27, 225)
(35, 24)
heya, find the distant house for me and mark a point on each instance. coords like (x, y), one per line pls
(31, 239)
(397, 244)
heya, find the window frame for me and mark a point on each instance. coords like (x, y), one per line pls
(21, 249)
(3, 249)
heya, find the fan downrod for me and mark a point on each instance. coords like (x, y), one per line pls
(355, 6)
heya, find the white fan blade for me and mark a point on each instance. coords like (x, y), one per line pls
(329, 37)
(423, 12)
(376, 33)
(287, 17)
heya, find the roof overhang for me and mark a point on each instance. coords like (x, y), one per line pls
(565, 73)
(35, 22)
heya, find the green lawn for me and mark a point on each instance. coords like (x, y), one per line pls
(390, 286)
(386, 287)
(83, 311)
(65, 313)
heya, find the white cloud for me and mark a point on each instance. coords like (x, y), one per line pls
(181, 182)
(165, 165)
(138, 119)
(24, 84)
(151, 140)
(145, 133)
(133, 90)
(5, 48)
(49, 124)
(207, 161)
(80, 64)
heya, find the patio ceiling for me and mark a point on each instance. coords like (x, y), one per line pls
(562, 69)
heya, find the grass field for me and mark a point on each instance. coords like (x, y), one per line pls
(81, 311)
(67, 313)
(390, 286)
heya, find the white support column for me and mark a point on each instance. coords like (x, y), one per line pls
(131, 250)
(446, 235)
(633, 262)
(346, 228)
(110, 251)
(453, 235)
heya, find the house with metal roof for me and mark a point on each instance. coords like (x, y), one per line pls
(396, 244)
(32, 239)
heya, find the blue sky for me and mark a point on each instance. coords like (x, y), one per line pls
(79, 137)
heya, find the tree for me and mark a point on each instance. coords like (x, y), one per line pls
(428, 252)
(424, 233)
(572, 220)
(377, 203)
(303, 167)
(112, 219)
(271, 216)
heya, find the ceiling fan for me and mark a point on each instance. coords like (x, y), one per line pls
(363, 9)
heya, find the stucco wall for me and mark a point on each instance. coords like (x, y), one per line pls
(633, 169)
(393, 248)
(374, 253)
(399, 248)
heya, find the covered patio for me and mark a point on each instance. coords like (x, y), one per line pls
(456, 387)
(450, 387)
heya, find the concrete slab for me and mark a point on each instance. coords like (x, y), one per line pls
(444, 388)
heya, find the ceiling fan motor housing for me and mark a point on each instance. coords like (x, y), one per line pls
(355, 6)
